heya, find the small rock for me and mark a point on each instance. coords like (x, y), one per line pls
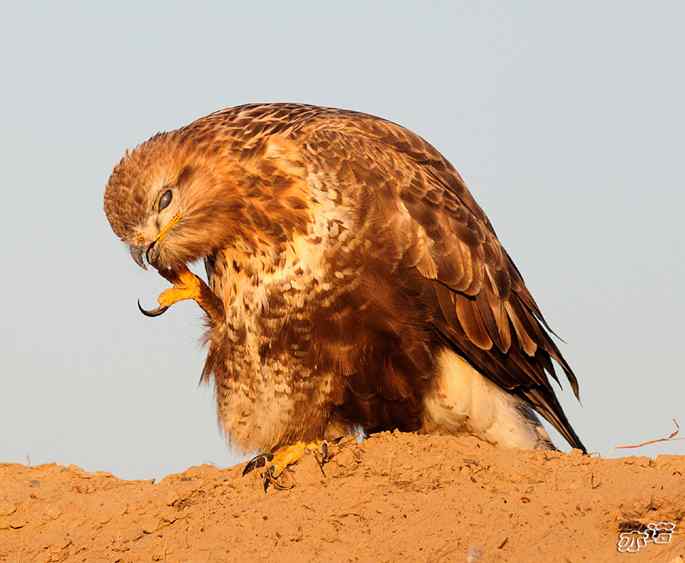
(53, 512)
(104, 518)
(17, 523)
(171, 498)
(66, 542)
(7, 508)
(474, 554)
(150, 524)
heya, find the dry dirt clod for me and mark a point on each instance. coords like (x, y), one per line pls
(7, 508)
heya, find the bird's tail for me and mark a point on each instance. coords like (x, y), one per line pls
(546, 403)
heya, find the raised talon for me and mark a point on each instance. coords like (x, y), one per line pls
(186, 286)
(151, 312)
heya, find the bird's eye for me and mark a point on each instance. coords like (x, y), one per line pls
(165, 200)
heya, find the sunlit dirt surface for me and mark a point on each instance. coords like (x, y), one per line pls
(395, 497)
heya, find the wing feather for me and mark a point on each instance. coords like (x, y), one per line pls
(528, 345)
(472, 322)
(479, 295)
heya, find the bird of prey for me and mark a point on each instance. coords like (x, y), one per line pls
(352, 281)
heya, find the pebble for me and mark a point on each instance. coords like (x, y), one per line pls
(150, 524)
(171, 498)
(53, 512)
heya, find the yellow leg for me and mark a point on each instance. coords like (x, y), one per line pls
(187, 285)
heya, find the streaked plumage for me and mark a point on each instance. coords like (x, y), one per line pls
(361, 283)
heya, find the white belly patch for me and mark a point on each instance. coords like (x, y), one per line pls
(464, 401)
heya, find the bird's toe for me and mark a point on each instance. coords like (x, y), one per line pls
(280, 460)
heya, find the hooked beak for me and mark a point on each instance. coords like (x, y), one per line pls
(142, 253)
(137, 255)
(151, 254)
(151, 251)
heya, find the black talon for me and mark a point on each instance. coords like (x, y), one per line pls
(323, 458)
(257, 461)
(152, 312)
(269, 479)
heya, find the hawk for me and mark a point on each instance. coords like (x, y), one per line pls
(352, 281)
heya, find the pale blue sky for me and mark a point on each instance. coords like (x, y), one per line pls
(566, 119)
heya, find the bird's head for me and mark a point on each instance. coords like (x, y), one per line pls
(183, 195)
(154, 203)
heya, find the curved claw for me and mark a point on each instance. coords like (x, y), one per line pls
(152, 312)
(270, 479)
(257, 461)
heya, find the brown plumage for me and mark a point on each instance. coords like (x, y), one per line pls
(361, 284)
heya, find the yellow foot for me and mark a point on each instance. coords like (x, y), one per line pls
(187, 285)
(279, 460)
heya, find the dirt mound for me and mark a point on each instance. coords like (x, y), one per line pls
(394, 497)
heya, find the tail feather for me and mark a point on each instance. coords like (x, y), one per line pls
(546, 403)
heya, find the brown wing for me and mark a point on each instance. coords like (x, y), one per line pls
(482, 308)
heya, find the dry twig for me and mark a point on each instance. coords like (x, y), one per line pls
(668, 438)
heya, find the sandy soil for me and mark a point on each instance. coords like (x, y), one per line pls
(396, 497)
